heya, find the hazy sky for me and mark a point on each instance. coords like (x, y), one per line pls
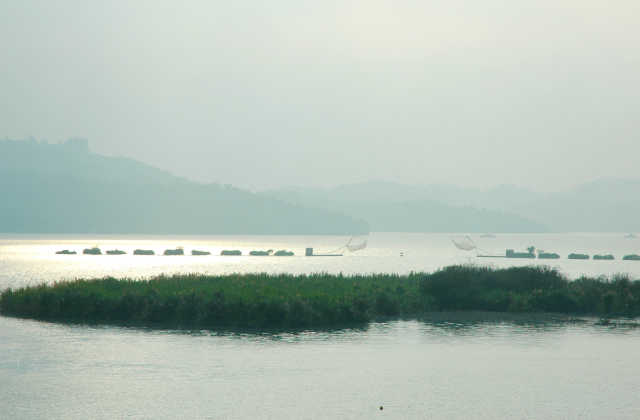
(540, 93)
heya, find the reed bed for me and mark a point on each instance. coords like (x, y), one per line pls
(318, 300)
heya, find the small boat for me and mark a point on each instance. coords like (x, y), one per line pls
(231, 252)
(308, 252)
(115, 252)
(144, 252)
(487, 235)
(630, 236)
(283, 253)
(604, 257)
(576, 256)
(92, 251)
(177, 251)
(261, 253)
(631, 257)
(510, 253)
(196, 252)
(66, 252)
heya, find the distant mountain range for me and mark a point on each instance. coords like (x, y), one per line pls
(607, 205)
(389, 207)
(63, 188)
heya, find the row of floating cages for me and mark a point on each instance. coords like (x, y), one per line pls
(177, 251)
(466, 243)
(580, 256)
(530, 253)
(349, 246)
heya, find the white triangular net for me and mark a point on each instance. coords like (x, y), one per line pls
(464, 243)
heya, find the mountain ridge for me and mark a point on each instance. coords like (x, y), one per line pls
(602, 205)
(388, 206)
(64, 188)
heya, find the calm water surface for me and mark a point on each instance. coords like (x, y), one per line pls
(440, 369)
(416, 370)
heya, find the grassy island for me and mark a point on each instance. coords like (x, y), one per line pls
(318, 300)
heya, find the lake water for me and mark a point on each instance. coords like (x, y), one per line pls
(448, 367)
(28, 260)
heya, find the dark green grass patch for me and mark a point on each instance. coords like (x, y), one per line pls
(318, 300)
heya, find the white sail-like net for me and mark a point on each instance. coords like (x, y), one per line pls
(464, 243)
(351, 246)
(356, 247)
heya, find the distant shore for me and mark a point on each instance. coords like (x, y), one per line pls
(264, 301)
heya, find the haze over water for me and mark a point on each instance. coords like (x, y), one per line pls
(335, 117)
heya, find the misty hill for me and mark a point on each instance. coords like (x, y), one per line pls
(390, 207)
(606, 205)
(63, 188)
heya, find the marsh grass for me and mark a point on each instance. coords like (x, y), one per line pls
(262, 301)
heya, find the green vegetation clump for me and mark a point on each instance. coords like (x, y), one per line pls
(318, 300)
(283, 253)
(92, 251)
(177, 251)
(604, 257)
(115, 252)
(197, 252)
(230, 252)
(143, 252)
(261, 253)
(548, 255)
(66, 252)
(575, 256)
(631, 257)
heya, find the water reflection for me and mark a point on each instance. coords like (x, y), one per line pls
(464, 322)
(434, 324)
